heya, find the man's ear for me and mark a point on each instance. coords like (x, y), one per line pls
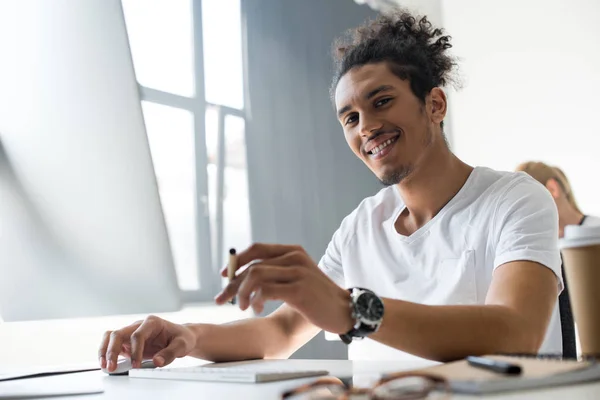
(554, 188)
(437, 105)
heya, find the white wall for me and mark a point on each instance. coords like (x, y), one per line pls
(431, 8)
(531, 74)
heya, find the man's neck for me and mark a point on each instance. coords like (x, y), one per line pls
(431, 185)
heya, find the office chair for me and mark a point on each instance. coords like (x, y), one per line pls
(567, 323)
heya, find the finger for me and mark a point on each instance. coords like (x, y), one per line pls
(262, 251)
(116, 340)
(240, 268)
(294, 257)
(260, 274)
(232, 288)
(257, 302)
(114, 349)
(271, 291)
(102, 349)
(126, 349)
(139, 338)
(174, 350)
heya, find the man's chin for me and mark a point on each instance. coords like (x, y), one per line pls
(394, 177)
(388, 181)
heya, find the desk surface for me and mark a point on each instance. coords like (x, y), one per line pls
(122, 387)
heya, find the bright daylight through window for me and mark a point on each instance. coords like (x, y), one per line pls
(185, 77)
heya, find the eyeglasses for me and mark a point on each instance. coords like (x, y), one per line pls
(398, 386)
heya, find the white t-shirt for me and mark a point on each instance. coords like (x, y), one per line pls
(495, 218)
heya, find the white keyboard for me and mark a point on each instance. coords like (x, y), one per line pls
(253, 372)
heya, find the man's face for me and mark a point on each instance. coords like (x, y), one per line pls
(385, 124)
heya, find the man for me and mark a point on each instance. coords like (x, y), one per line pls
(457, 260)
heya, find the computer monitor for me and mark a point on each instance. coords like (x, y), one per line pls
(82, 231)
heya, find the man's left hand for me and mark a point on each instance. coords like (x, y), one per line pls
(287, 273)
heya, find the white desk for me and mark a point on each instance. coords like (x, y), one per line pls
(74, 341)
(123, 387)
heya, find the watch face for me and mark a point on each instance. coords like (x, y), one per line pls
(369, 306)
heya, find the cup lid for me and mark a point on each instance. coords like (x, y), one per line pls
(580, 236)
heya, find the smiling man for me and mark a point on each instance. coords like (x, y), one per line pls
(446, 261)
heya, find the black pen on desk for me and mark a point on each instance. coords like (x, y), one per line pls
(231, 268)
(501, 367)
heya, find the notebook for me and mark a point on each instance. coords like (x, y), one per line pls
(536, 373)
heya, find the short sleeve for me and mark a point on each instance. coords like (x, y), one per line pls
(526, 226)
(331, 262)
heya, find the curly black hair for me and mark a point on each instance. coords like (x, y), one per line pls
(414, 50)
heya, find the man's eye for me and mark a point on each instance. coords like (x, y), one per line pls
(351, 119)
(382, 102)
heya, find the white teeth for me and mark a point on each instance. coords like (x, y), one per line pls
(382, 146)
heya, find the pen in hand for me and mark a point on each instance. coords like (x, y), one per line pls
(489, 364)
(231, 268)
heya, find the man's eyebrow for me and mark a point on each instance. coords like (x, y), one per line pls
(371, 94)
(344, 110)
(376, 91)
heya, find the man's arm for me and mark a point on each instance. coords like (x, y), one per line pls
(285, 273)
(278, 335)
(514, 319)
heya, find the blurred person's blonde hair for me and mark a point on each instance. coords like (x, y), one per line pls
(542, 173)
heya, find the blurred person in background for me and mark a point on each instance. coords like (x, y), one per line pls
(569, 213)
(555, 180)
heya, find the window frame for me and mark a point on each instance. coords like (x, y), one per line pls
(210, 281)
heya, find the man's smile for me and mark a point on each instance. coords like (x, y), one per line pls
(381, 148)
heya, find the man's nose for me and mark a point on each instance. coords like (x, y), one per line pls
(369, 125)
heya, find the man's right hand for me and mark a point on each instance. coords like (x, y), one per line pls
(154, 338)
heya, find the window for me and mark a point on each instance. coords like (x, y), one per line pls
(188, 61)
(236, 207)
(162, 44)
(171, 136)
(222, 33)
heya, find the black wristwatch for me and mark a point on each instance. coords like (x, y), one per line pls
(367, 312)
